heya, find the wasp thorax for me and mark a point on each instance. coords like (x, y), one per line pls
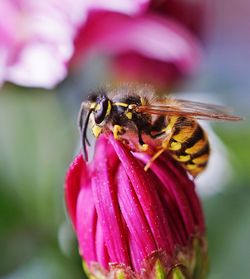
(102, 109)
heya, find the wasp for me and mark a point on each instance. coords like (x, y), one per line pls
(150, 124)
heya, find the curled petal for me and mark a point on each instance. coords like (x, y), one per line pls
(77, 177)
(106, 202)
(144, 187)
(188, 188)
(168, 41)
(176, 193)
(135, 220)
(101, 249)
(171, 209)
(184, 195)
(86, 224)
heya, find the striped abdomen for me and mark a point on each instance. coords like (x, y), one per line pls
(189, 144)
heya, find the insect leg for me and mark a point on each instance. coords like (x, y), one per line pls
(156, 155)
(163, 148)
(117, 131)
(143, 146)
(140, 137)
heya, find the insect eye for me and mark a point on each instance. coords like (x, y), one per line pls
(101, 111)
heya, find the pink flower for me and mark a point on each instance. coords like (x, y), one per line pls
(130, 7)
(151, 47)
(191, 14)
(36, 40)
(143, 38)
(133, 222)
(36, 37)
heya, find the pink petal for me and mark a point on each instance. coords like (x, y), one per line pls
(101, 249)
(129, 7)
(173, 187)
(144, 187)
(152, 36)
(140, 236)
(172, 212)
(86, 224)
(105, 197)
(133, 66)
(38, 65)
(135, 252)
(188, 188)
(189, 13)
(185, 196)
(37, 39)
(77, 177)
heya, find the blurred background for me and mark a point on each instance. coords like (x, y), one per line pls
(39, 138)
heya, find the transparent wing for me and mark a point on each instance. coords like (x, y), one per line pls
(186, 108)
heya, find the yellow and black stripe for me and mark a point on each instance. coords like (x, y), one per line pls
(188, 144)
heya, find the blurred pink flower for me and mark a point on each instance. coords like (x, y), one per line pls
(129, 7)
(133, 222)
(143, 37)
(36, 40)
(156, 46)
(36, 37)
(190, 13)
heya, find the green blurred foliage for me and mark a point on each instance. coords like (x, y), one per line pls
(38, 139)
(37, 143)
(228, 212)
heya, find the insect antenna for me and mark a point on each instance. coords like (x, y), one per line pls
(84, 136)
(80, 120)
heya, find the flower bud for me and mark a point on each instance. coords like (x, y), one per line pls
(135, 224)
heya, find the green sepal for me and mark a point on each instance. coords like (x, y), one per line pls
(98, 275)
(159, 271)
(177, 274)
(85, 269)
(201, 266)
(120, 274)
